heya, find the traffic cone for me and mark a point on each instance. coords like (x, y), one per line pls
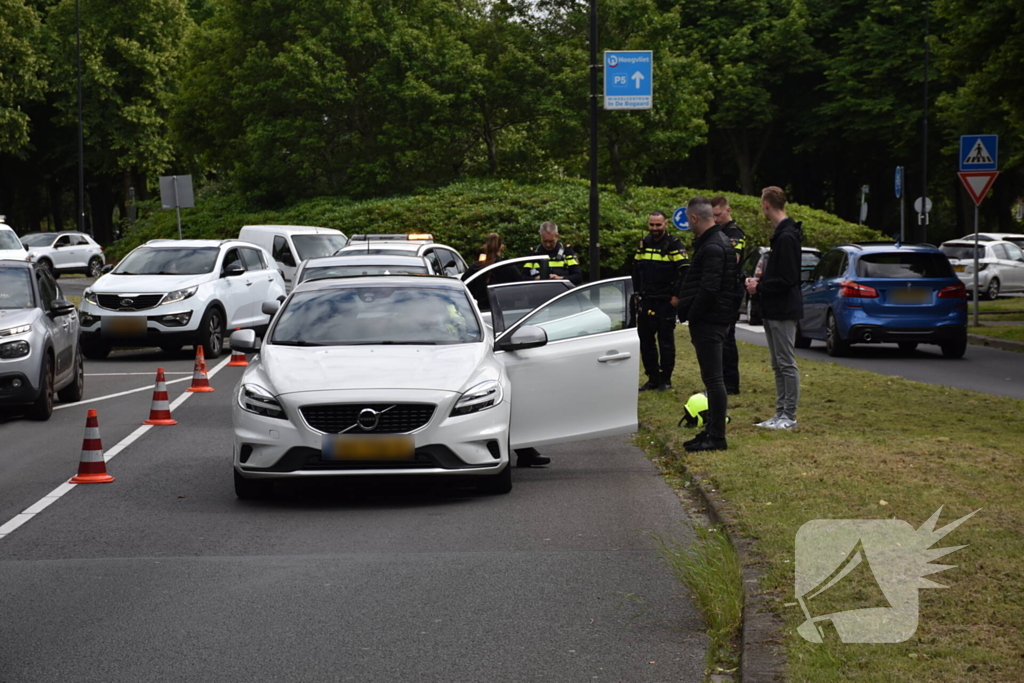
(238, 358)
(200, 382)
(160, 413)
(92, 468)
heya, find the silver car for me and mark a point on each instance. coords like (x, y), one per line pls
(39, 349)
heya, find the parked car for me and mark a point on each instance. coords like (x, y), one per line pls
(40, 352)
(405, 379)
(10, 246)
(358, 265)
(65, 252)
(1014, 237)
(443, 259)
(170, 293)
(753, 264)
(871, 293)
(290, 245)
(1000, 265)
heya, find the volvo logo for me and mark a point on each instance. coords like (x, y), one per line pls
(368, 419)
(127, 302)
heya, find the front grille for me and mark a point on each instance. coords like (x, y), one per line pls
(400, 419)
(119, 302)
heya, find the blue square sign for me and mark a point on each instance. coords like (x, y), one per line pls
(628, 79)
(979, 152)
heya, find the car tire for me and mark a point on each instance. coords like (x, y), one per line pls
(211, 333)
(907, 347)
(956, 348)
(754, 316)
(95, 349)
(73, 392)
(800, 341)
(992, 291)
(95, 267)
(834, 342)
(252, 489)
(42, 408)
(499, 483)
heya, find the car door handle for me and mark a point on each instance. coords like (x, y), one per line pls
(614, 356)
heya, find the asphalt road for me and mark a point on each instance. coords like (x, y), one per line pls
(163, 575)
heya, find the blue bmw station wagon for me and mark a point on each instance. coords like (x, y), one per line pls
(875, 292)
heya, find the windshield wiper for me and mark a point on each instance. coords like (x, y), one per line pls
(296, 342)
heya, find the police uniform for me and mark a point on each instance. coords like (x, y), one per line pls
(562, 261)
(658, 269)
(731, 354)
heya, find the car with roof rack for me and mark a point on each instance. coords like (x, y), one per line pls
(358, 265)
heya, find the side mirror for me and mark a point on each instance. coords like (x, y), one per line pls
(106, 269)
(244, 340)
(269, 308)
(234, 270)
(61, 307)
(526, 337)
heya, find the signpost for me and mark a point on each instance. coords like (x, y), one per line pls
(176, 193)
(628, 79)
(898, 183)
(979, 157)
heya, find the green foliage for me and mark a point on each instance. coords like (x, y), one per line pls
(21, 66)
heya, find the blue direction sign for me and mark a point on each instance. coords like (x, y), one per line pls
(979, 152)
(899, 182)
(679, 219)
(628, 79)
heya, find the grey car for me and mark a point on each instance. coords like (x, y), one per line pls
(39, 341)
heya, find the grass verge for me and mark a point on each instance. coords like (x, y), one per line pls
(1007, 332)
(873, 447)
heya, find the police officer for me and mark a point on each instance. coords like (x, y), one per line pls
(562, 261)
(658, 267)
(730, 354)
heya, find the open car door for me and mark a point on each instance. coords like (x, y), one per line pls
(573, 366)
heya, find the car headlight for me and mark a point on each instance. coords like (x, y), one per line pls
(481, 397)
(179, 295)
(90, 297)
(11, 331)
(14, 349)
(256, 399)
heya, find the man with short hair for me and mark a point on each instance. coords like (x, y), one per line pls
(562, 261)
(658, 267)
(706, 302)
(782, 305)
(730, 353)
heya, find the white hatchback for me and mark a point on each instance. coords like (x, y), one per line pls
(1000, 265)
(398, 375)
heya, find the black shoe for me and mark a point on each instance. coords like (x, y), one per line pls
(708, 444)
(732, 391)
(664, 386)
(696, 440)
(649, 386)
(532, 461)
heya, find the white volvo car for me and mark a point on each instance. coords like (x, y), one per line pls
(399, 375)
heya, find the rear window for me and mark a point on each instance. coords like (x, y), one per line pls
(904, 265)
(962, 251)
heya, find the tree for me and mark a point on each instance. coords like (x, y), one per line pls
(21, 67)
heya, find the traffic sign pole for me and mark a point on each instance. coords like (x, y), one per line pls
(977, 294)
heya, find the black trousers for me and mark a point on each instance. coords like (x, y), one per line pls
(731, 354)
(656, 327)
(708, 339)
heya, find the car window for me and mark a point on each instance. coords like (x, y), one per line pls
(79, 239)
(828, 266)
(62, 241)
(435, 262)
(907, 265)
(169, 261)
(15, 288)
(324, 244)
(962, 251)
(451, 262)
(512, 301)
(1000, 251)
(8, 240)
(1014, 252)
(377, 314)
(591, 310)
(232, 258)
(47, 289)
(808, 259)
(39, 239)
(253, 259)
(282, 252)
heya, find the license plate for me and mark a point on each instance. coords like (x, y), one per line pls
(914, 295)
(959, 269)
(123, 326)
(368, 447)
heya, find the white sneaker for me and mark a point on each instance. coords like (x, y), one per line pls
(784, 423)
(769, 423)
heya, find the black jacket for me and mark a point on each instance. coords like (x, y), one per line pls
(562, 261)
(779, 286)
(658, 267)
(709, 291)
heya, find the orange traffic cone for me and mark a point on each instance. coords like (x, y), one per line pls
(92, 468)
(160, 413)
(200, 382)
(238, 358)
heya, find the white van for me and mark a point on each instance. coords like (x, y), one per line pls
(292, 244)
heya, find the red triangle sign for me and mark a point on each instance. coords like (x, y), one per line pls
(978, 183)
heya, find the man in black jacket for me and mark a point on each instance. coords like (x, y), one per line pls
(562, 261)
(707, 301)
(657, 271)
(782, 304)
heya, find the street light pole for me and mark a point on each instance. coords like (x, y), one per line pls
(924, 137)
(81, 143)
(595, 247)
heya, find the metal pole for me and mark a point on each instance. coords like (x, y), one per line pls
(924, 135)
(903, 237)
(595, 212)
(177, 205)
(81, 135)
(977, 294)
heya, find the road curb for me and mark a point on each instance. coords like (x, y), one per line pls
(995, 343)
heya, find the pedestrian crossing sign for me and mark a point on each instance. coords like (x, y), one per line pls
(979, 152)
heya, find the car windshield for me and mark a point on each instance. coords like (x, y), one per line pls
(38, 239)
(311, 246)
(377, 314)
(962, 251)
(15, 288)
(8, 240)
(357, 270)
(909, 265)
(169, 261)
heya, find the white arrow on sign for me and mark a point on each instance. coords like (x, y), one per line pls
(637, 77)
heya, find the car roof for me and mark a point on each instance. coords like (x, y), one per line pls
(366, 259)
(295, 229)
(874, 247)
(414, 281)
(199, 243)
(969, 242)
(991, 236)
(366, 245)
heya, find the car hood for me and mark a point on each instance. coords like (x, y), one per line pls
(146, 284)
(17, 316)
(13, 254)
(452, 367)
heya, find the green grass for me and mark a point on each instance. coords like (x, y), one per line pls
(872, 447)
(1007, 332)
(1006, 303)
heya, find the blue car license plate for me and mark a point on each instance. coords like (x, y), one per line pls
(368, 447)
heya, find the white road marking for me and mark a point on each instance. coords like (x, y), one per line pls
(51, 497)
(62, 406)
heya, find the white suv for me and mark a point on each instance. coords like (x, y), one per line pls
(170, 293)
(65, 252)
